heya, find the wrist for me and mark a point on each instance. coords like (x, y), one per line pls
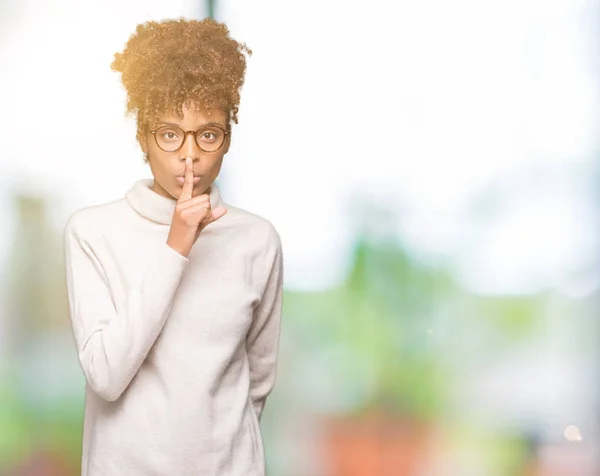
(182, 251)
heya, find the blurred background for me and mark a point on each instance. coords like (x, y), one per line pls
(432, 169)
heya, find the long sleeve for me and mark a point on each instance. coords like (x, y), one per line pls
(262, 341)
(112, 345)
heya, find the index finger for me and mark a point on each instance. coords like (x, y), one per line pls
(188, 181)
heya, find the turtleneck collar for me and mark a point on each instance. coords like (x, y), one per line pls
(157, 208)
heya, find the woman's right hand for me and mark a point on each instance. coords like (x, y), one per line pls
(191, 215)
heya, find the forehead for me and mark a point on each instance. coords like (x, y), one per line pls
(193, 118)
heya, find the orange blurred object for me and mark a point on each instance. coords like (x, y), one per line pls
(375, 444)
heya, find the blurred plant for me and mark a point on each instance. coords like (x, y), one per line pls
(386, 321)
(374, 336)
(381, 340)
(41, 395)
(390, 308)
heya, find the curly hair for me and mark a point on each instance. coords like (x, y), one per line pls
(171, 63)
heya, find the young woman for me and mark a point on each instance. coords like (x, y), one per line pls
(175, 297)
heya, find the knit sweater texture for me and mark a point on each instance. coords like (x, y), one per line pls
(179, 353)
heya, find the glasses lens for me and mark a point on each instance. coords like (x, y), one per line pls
(169, 138)
(210, 139)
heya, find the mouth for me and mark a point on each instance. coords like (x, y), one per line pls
(181, 179)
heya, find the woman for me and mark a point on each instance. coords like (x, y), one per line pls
(175, 298)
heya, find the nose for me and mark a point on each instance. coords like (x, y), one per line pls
(189, 148)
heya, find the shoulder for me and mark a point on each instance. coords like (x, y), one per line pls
(87, 221)
(254, 227)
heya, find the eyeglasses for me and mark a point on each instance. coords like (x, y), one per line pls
(208, 138)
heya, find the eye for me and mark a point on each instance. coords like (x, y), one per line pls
(210, 136)
(168, 134)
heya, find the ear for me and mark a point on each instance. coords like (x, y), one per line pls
(143, 140)
(227, 142)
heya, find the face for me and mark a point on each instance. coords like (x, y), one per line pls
(168, 167)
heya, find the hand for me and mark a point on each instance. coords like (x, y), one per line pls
(191, 215)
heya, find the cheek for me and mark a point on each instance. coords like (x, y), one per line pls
(160, 158)
(216, 167)
(159, 165)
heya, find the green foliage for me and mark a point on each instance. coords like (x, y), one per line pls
(390, 324)
(24, 429)
(516, 316)
(381, 318)
(391, 314)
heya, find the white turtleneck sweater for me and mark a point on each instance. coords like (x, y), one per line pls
(179, 353)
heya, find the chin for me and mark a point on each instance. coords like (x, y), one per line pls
(171, 191)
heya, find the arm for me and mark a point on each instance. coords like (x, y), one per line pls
(262, 341)
(112, 346)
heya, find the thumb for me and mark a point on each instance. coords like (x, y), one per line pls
(218, 213)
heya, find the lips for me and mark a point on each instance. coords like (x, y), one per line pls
(181, 179)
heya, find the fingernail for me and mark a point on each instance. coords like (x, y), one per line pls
(188, 161)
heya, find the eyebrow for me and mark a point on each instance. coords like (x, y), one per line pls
(207, 124)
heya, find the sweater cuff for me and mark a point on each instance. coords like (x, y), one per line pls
(170, 259)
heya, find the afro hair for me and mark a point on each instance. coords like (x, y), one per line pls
(171, 63)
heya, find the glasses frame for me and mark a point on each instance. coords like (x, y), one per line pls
(195, 134)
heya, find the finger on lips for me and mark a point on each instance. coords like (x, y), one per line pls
(188, 183)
